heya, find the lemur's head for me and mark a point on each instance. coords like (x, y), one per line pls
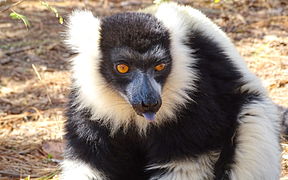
(136, 59)
(130, 66)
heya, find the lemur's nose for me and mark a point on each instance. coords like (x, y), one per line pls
(147, 106)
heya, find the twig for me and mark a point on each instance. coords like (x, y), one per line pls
(4, 100)
(36, 71)
(19, 50)
(17, 175)
(16, 116)
(13, 5)
(39, 77)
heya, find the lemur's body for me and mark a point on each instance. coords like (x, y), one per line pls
(206, 116)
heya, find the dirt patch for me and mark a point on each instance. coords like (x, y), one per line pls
(34, 76)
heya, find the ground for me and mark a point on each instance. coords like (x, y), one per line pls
(35, 78)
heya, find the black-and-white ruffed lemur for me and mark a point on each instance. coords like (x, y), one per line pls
(162, 94)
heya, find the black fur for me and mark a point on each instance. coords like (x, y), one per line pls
(207, 124)
(220, 81)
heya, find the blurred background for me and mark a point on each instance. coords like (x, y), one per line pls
(34, 69)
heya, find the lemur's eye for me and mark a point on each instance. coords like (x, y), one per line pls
(160, 67)
(122, 68)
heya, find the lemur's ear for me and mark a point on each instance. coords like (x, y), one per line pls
(83, 31)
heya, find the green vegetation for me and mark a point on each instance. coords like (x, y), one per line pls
(15, 15)
(24, 19)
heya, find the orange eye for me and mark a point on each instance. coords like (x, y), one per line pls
(160, 67)
(122, 68)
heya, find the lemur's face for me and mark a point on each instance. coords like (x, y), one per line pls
(136, 60)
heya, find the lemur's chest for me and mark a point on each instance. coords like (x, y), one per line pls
(164, 162)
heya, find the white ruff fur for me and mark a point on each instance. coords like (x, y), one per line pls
(200, 168)
(106, 105)
(76, 170)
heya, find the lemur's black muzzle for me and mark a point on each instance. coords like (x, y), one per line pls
(148, 106)
(144, 96)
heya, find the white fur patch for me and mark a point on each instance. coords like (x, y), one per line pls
(76, 170)
(200, 168)
(83, 33)
(257, 154)
(182, 76)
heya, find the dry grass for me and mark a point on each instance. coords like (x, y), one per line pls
(32, 100)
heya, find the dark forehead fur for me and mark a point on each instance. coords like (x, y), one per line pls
(138, 31)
